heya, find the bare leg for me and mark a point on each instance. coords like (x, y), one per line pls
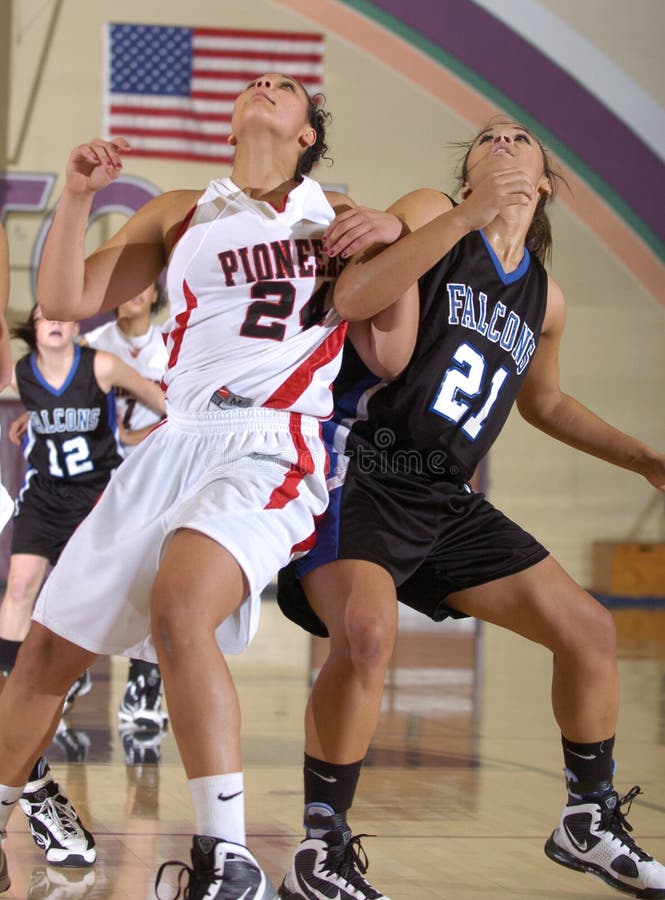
(357, 602)
(26, 573)
(32, 698)
(545, 605)
(198, 586)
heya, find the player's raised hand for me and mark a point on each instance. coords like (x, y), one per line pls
(357, 229)
(94, 165)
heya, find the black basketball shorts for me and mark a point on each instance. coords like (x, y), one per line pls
(435, 538)
(48, 512)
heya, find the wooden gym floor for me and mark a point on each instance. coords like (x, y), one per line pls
(461, 789)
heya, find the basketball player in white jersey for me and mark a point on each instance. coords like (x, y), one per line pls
(172, 561)
(134, 337)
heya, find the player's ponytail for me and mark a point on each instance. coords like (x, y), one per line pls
(25, 331)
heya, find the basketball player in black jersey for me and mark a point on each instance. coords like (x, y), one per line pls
(409, 528)
(71, 452)
(63, 826)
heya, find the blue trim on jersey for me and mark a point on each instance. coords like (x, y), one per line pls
(72, 372)
(346, 406)
(112, 413)
(507, 277)
(327, 537)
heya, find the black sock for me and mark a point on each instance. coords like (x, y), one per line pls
(589, 768)
(330, 784)
(8, 653)
(149, 670)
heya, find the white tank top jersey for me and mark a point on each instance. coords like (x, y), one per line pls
(145, 353)
(251, 318)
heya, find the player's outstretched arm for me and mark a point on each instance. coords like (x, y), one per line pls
(111, 371)
(543, 404)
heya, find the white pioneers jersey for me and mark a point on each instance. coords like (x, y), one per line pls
(250, 293)
(145, 353)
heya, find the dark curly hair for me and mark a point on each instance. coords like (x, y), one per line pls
(539, 236)
(162, 298)
(319, 119)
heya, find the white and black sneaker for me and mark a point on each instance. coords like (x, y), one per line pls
(331, 866)
(593, 837)
(5, 880)
(141, 704)
(55, 825)
(220, 871)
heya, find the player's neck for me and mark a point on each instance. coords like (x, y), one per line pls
(507, 236)
(263, 173)
(137, 327)
(55, 364)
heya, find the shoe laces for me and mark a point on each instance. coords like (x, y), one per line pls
(615, 821)
(199, 880)
(351, 862)
(59, 814)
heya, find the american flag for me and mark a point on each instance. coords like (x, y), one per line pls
(170, 90)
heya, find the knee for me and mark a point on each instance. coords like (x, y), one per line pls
(173, 632)
(592, 635)
(20, 593)
(48, 662)
(602, 631)
(371, 638)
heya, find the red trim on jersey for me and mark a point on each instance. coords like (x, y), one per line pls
(299, 380)
(285, 200)
(305, 545)
(183, 225)
(182, 319)
(288, 489)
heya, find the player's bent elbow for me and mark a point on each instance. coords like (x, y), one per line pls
(350, 306)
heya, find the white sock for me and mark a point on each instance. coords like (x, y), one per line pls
(8, 798)
(219, 806)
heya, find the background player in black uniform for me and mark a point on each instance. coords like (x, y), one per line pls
(52, 817)
(71, 452)
(70, 447)
(134, 338)
(409, 527)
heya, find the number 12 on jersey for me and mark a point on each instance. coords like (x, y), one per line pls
(463, 382)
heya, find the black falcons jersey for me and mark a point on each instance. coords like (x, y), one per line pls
(478, 331)
(71, 431)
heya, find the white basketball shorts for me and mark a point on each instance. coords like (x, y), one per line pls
(252, 480)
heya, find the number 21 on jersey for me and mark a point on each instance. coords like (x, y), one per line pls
(462, 383)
